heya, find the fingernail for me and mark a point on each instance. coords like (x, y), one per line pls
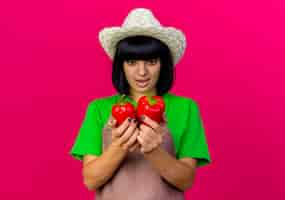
(134, 120)
(129, 119)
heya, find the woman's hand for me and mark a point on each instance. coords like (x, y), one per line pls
(151, 137)
(124, 135)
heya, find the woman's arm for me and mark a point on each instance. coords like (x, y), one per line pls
(179, 173)
(98, 171)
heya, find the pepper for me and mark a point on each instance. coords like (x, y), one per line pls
(123, 110)
(151, 106)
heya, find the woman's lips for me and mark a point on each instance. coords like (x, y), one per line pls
(142, 83)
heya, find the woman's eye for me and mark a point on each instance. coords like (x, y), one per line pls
(131, 62)
(153, 61)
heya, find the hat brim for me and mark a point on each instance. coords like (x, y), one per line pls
(171, 36)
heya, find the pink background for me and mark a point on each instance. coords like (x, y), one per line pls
(52, 65)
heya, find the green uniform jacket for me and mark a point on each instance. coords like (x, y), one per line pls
(183, 120)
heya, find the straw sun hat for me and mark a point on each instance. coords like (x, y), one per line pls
(141, 21)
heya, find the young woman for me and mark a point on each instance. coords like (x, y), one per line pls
(134, 161)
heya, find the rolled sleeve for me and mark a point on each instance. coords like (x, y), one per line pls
(193, 142)
(89, 137)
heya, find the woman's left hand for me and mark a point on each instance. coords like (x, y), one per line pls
(151, 137)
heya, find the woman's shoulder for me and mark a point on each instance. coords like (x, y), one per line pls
(103, 106)
(172, 98)
(182, 100)
(185, 103)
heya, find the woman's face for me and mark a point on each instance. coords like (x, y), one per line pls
(142, 75)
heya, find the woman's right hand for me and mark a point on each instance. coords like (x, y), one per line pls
(125, 135)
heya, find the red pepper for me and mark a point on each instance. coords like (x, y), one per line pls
(151, 106)
(122, 110)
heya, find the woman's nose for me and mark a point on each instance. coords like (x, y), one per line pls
(142, 70)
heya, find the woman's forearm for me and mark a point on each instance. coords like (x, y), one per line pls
(97, 172)
(172, 170)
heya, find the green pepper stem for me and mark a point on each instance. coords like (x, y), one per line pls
(151, 100)
(121, 100)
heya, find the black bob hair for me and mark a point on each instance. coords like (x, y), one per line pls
(143, 48)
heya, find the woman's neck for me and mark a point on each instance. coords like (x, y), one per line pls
(135, 95)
